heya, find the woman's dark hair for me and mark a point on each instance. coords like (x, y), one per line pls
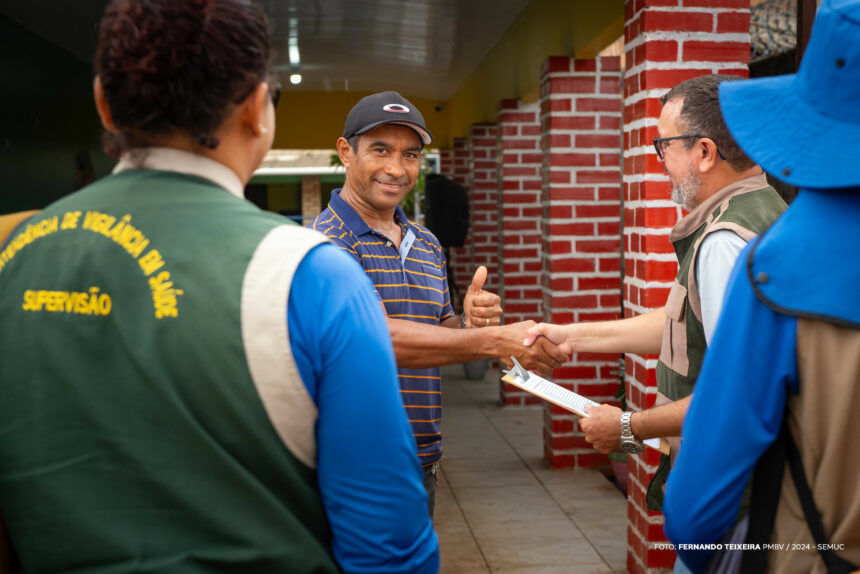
(178, 65)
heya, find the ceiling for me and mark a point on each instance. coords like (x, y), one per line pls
(425, 47)
(428, 46)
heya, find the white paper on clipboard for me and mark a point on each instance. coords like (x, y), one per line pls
(564, 398)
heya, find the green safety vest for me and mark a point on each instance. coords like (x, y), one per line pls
(746, 207)
(145, 422)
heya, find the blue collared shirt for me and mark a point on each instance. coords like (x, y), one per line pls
(339, 340)
(412, 284)
(751, 368)
(735, 415)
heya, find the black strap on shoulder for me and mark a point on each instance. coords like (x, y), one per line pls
(767, 486)
(835, 564)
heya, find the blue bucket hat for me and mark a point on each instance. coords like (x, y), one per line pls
(804, 128)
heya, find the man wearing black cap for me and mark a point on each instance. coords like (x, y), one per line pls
(381, 148)
(781, 382)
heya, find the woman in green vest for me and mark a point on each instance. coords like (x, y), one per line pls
(188, 383)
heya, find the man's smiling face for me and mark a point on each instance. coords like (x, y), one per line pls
(384, 167)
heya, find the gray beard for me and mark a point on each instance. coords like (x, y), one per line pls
(685, 193)
(678, 196)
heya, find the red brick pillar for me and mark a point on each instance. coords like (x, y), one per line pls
(581, 280)
(446, 162)
(483, 191)
(519, 163)
(460, 172)
(665, 44)
(461, 257)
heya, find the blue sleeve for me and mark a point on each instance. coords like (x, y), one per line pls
(368, 469)
(346, 243)
(736, 413)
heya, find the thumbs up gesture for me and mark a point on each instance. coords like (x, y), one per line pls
(481, 308)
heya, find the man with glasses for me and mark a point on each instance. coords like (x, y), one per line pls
(779, 391)
(729, 201)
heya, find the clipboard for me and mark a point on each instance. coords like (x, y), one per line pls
(564, 398)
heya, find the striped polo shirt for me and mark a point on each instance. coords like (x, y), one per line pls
(412, 283)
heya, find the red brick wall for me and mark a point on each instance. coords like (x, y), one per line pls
(460, 172)
(665, 43)
(474, 166)
(446, 162)
(483, 192)
(518, 167)
(581, 192)
(461, 257)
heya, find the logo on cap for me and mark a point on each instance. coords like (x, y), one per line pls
(396, 108)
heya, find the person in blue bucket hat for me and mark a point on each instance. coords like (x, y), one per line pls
(779, 391)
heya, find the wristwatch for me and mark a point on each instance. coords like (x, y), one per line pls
(629, 444)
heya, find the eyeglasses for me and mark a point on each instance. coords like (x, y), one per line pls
(658, 143)
(275, 93)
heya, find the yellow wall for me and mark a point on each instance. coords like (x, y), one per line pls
(314, 120)
(511, 69)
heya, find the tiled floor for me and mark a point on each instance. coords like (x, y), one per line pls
(500, 509)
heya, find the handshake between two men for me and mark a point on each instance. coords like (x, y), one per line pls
(478, 334)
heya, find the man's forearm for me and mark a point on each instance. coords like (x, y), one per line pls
(642, 334)
(663, 421)
(420, 346)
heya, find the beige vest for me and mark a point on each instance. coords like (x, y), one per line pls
(823, 419)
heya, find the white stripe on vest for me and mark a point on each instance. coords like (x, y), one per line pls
(265, 295)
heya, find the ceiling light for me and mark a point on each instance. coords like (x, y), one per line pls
(293, 51)
(293, 43)
(295, 79)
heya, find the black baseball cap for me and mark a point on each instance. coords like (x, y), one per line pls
(385, 108)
